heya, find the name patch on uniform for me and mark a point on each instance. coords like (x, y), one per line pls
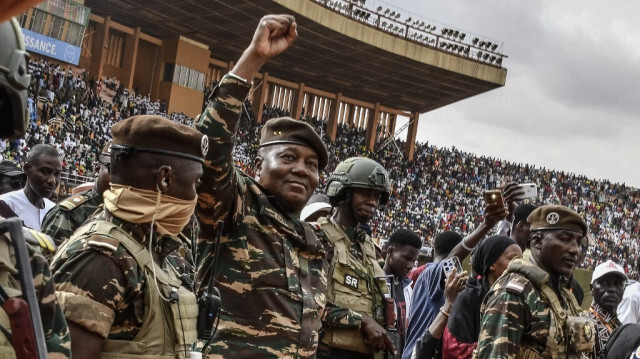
(351, 281)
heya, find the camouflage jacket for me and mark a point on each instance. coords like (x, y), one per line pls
(515, 314)
(271, 270)
(67, 216)
(98, 272)
(56, 331)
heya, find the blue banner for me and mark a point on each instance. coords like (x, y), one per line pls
(51, 47)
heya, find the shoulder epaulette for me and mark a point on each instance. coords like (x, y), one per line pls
(517, 284)
(103, 242)
(73, 201)
(38, 239)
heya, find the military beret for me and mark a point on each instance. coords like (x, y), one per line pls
(155, 134)
(556, 217)
(287, 130)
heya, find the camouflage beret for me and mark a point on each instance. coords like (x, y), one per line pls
(155, 134)
(287, 130)
(556, 217)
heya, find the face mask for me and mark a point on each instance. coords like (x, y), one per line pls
(134, 205)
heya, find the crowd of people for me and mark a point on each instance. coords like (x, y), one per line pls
(130, 278)
(441, 189)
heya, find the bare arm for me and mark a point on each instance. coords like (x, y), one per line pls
(492, 215)
(84, 344)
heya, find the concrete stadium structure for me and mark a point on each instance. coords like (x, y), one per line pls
(351, 64)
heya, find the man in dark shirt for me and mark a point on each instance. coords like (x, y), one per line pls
(402, 252)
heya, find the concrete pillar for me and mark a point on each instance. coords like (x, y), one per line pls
(129, 58)
(100, 41)
(260, 95)
(332, 123)
(410, 146)
(372, 127)
(297, 101)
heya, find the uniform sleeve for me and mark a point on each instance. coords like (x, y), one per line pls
(502, 325)
(57, 225)
(338, 317)
(91, 288)
(56, 331)
(219, 191)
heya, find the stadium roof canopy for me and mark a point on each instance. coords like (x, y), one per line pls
(334, 52)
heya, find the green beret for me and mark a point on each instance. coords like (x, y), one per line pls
(287, 130)
(556, 217)
(155, 134)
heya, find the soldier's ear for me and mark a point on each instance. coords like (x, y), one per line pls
(536, 241)
(257, 164)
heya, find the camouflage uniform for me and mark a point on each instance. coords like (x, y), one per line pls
(67, 216)
(271, 270)
(56, 332)
(516, 315)
(341, 324)
(95, 273)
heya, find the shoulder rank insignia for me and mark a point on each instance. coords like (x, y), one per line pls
(39, 239)
(516, 285)
(73, 202)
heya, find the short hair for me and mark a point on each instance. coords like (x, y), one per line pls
(521, 212)
(405, 237)
(39, 150)
(445, 242)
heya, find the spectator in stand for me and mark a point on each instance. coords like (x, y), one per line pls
(428, 298)
(31, 204)
(607, 286)
(490, 259)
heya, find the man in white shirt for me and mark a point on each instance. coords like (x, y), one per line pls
(42, 167)
(629, 308)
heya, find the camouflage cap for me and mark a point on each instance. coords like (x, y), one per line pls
(556, 217)
(155, 134)
(287, 130)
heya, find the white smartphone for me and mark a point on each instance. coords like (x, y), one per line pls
(449, 264)
(530, 190)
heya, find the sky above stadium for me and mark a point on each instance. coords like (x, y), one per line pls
(572, 95)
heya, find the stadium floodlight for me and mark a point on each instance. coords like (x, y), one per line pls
(493, 58)
(485, 57)
(499, 61)
(456, 33)
(384, 24)
(443, 44)
(397, 15)
(408, 20)
(386, 12)
(488, 44)
(479, 54)
(462, 36)
(475, 41)
(494, 47)
(422, 24)
(379, 9)
(393, 14)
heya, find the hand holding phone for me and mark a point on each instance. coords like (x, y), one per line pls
(449, 264)
(527, 191)
(494, 197)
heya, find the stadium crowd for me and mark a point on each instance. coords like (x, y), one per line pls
(441, 189)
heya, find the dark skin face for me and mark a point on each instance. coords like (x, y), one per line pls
(502, 263)
(362, 206)
(289, 172)
(173, 176)
(608, 291)
(557, 251)
(11, 183)
(400, 260)
(43, 176)
(103, 177)
(520, 233)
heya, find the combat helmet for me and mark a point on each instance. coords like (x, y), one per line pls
(14, 80)
(358, 172)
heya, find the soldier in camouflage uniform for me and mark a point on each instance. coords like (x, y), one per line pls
(271, 267)
(352, 323)
(14, 82)
(67, 216)
(528, 312)
(116, 277)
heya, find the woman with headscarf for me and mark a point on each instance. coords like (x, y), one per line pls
(489, 261)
